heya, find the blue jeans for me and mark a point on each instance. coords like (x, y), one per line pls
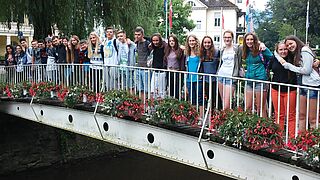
(126, 78)
(195, 92)
(142, 80)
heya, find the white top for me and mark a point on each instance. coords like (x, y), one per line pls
(110, 53)
(309, 76)
(123, 54)
(227, 65)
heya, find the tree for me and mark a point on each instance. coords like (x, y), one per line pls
(180, 21)
(267, 29)
(293, 13)
(80, 16)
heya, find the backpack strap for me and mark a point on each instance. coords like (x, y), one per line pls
(115, 45)
(314, 57)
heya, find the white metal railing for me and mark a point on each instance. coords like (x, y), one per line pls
(159, 83)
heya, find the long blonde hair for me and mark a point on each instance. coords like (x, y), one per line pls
(90, 54)
(73, 48)
(196, 48)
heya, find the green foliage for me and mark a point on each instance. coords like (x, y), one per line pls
(267, 30)
(308, 142)
(122, 104)
(79, 17)
(243, 128)
(233, 128)
(293, 14)
(180, 21)
(73, 96)
(43, 90)
(171, 111)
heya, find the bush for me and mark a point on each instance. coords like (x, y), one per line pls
(243, 128)
(75, 94)
(171, 111)
(308, 143)
(122, 104)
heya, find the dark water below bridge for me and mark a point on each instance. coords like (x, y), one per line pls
(123, 165)
(130, 165)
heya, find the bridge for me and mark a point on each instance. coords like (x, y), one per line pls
(193, 145)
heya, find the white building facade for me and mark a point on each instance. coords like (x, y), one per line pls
(213, 17)
(10, 35)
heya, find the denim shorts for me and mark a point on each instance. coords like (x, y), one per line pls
(227, 81)
(257, 86)
(313, 94)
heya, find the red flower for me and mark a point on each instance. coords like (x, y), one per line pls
(32, 91)
(99, 98)
(8, 92)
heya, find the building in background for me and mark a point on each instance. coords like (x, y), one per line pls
(213, 17)
(11, 35)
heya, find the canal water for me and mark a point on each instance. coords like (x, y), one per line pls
(129, 165)
(22, 140)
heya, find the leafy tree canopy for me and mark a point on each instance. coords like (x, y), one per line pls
(288, 17)
(180, 21)
(80, 16)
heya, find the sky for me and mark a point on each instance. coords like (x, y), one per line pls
(260, 4)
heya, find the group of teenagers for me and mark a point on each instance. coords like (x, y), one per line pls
(292, 63)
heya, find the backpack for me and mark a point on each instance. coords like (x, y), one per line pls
(115, 45)
(265, 63)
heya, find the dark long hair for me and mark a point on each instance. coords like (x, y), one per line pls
(160, 40)
(296, 55)
(176, 48)
(255, 48)
(22, 51)
(204, 53)
(12, 52)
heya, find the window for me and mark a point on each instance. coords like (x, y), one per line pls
(191, 3)
(239, 1)
(216, 39)
(217, 19)
(198, 24)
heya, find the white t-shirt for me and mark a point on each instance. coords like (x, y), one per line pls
(110, 53)
(123, 54)
(227, 66)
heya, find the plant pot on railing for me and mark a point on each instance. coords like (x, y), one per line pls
(25, 88)
(77, 96)
(240, 128)
(71, 100)
(44, 90)
(121, 103)
(307, 143)
(171, 111)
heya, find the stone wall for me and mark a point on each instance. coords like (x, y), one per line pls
(27, 145)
